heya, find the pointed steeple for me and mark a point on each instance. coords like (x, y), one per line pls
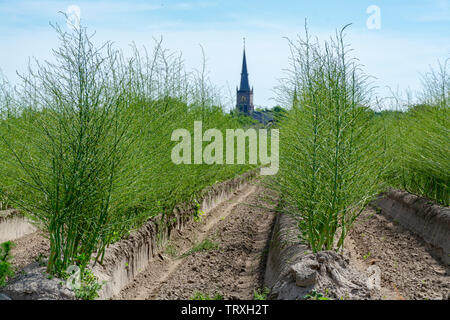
(244, 95)
(245, 86)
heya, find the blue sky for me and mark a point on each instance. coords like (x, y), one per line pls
(413, 34)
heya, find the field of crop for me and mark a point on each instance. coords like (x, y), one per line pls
(337, 153)
(86, 143)
(85, 147)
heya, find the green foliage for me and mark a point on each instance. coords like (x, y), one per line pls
(205, 245)
(87, 151)
(314, 295)
(198, 213)
(89, 286)
(279, 113)
(243, 120)
(331, 155)
(261, 294)
(419, 141)
(6, 269)
(367, 256)
(71, 148)
(203, 296)
(423, 159)
(436, 86)
(7, 112)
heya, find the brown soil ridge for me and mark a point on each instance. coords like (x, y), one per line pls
(240, 228)
(421, 216)
(14, 225)
(409, 268)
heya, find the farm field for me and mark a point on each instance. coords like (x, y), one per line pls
(225, 257)
(124, 175)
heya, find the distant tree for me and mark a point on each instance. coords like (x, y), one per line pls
(278, 113)
(243, 119)
(419, 107)
(278, 109)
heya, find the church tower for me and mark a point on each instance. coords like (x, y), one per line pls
(244, 94)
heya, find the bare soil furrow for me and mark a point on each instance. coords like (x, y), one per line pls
(238, 229)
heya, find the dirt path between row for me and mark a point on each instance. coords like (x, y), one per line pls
(28, 249)
(224, 255)
(409, 270)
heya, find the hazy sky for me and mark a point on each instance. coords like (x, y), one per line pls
(413, 34)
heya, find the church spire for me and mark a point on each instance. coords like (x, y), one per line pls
(244, 95)
(245, 86)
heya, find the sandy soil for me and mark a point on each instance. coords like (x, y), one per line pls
(28, 248)
(408, 268)
(241, 230)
